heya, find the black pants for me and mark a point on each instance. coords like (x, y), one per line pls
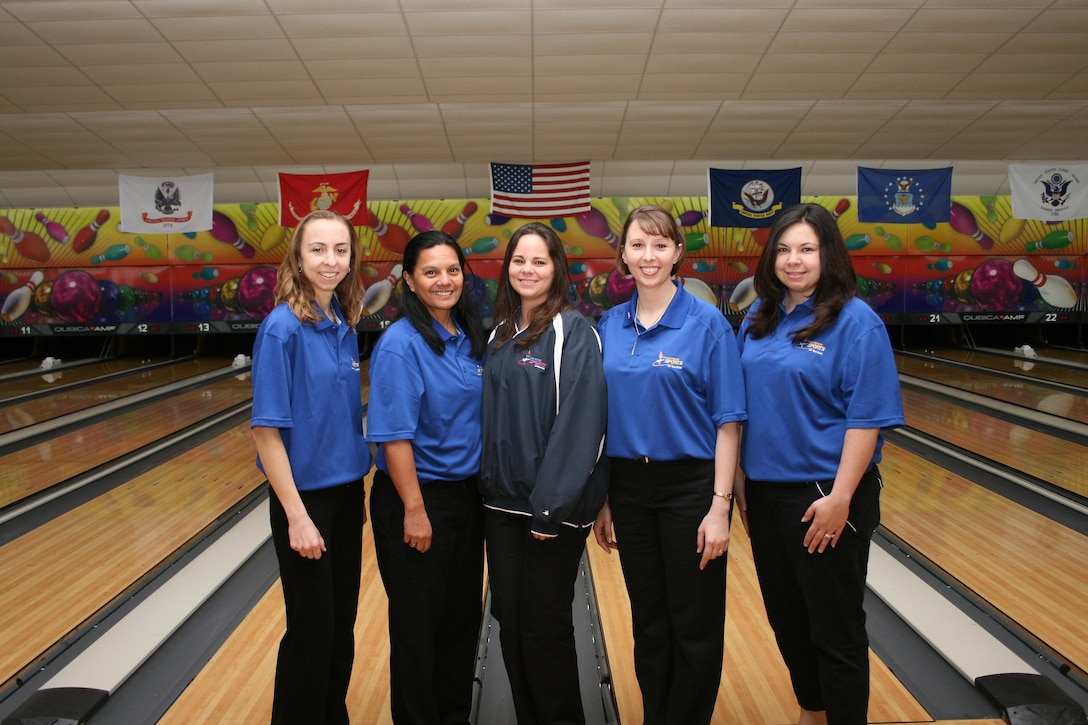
(677, 611)
(814, 601)
(435, 600)
(532, 588)
(321, 597)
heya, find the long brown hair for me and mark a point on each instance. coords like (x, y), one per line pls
(293, 288)
(507, 301)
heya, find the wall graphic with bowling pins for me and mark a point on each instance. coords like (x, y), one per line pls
(980, 265)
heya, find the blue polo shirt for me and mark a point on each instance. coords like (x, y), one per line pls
(802, 397)
(672, 386)
(431, 400)
(307, 383)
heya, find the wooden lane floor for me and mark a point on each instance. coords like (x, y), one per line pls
(46, 380)
(1061, 462)
(83, 397)
(236, 684)
(1017, 365)
(58, 576)
(37, 467)
(755, 686)
(1024, 565)
(1019, 391)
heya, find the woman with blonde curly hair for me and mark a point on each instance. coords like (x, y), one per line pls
(308, 428)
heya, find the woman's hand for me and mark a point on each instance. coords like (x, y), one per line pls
(602, 529)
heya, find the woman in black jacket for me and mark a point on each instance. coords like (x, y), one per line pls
(542, 475)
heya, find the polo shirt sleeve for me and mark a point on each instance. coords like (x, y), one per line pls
(271, 375)
(870, 382)
(396, 390)
(727, 398)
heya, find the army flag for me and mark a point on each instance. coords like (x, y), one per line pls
(165, 204)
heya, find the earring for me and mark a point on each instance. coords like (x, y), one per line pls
(300, 269)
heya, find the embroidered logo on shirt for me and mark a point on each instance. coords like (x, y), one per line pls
(531, 361)
(666, 361)
(479, 370)
(354, 364)
(811, 346)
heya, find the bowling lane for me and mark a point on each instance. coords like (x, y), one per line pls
(49, 379)
(1061, 462)
(1023, 564)
(36, 468)
(1026, 367)
(755, 685)
(83, 397)
(1020, 391)
(59, 575)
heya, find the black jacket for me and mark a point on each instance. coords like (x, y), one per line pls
(536, 461)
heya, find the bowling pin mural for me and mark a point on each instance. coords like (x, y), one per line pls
(53, 229)
(744, 294)
(378, 294)
(419, 222)
(224, 230)
(1055, 290)
(16, 303)
(85, 237)
(455, 226)
(392, 237)
(963, 221)
(594, 223)
(27, 244)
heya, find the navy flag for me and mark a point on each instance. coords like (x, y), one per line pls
(751, 198)
(911, 196)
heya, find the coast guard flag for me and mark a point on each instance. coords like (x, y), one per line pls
(919, 196)
(1049, 192)
(540, 191)
(751, 198)
(343, 193)
(161, 205)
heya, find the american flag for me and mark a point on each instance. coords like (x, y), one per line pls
(540, 191)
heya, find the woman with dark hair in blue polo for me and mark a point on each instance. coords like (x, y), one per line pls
(821, 383)
(426, 382)
(675, 400)
(307, 425)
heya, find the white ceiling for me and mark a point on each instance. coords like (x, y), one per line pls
(425, 92)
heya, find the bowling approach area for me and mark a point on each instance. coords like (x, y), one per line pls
(140, 584)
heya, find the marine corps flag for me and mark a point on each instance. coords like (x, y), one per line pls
(343, 193)
(162, 205)
(751, 198)
(912, 196)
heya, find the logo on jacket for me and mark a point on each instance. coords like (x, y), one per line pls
(531, 361)
(667, 361)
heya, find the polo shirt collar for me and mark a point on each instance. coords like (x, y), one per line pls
(443, 333)
(675, 314)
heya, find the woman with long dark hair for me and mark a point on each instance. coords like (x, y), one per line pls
(307, 425)
(542, 479)
(426, 379)
(821, 383)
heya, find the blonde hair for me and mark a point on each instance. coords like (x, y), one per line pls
(293, 288)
